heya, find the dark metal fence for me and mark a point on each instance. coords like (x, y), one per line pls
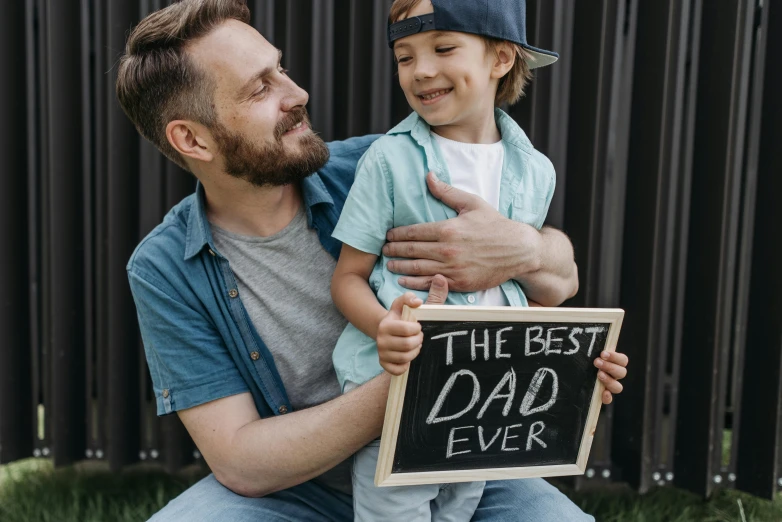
(662, 119)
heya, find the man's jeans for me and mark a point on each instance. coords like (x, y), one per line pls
(532, 500)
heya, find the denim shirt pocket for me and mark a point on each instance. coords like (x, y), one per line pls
(530, 208)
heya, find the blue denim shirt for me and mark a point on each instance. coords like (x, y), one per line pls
(199, 341)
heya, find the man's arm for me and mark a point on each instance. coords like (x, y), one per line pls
(481, 249)
(254, 457)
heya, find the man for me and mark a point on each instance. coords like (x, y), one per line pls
(232, 289)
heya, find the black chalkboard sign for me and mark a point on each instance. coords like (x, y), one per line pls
(496, 393)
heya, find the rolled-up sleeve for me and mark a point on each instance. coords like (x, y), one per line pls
(368, 212)
(188, 359)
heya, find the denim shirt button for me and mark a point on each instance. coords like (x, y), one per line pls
(471, 299)
(283, 409)
(233, 292)
(255, 356)
(165, 393)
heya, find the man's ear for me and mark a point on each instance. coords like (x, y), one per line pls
(191, 140)
(503, 60)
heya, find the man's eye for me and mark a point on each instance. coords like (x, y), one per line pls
(443, 50)
(261, 92)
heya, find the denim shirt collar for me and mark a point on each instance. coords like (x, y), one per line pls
(511, 133)
(199, 233)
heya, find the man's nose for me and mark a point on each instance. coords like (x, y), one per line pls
(294, 97)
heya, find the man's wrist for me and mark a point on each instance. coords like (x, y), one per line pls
(530, 251)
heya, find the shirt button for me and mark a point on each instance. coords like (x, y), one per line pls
(165, 394)
(283, 409)
(233, 292)
(255, 356)
(471, 299)
(212, 252)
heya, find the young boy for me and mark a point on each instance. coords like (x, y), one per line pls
(457, 61)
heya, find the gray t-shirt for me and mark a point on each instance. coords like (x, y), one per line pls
(285, 284)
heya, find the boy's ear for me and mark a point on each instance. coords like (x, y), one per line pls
(504, 60)
(191, 140)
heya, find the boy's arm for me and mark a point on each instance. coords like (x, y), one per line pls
(398, 341)
(351, 293)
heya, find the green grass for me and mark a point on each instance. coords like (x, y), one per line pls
(31, 491)
(674, 505)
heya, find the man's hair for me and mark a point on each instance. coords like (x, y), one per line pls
(511, 87)
(157, 82)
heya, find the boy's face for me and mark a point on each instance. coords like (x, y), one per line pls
(446, 76)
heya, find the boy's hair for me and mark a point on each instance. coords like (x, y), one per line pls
(157, 82)
(511, 87)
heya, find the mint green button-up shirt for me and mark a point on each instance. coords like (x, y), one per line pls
(390, 191)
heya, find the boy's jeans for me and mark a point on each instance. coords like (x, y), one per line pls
(426, 503)
(528, 500)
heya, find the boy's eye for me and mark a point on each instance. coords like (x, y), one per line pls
(443, 50)
(404, 59)
(282, 70)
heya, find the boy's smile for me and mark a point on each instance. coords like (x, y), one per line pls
(449, 79)
(432, 96)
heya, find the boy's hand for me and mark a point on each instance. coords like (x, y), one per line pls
(398, 341)
(612, 366)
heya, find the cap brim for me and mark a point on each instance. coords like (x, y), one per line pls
(539, 58)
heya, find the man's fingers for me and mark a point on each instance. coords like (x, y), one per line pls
(415, 267)
(414, 250)
(607, 397)
(419, 232)
(453, 197)
(409, 299)
(614, 370)
(438, 290)
(416, 283)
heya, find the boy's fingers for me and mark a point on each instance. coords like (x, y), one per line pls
(395, 369)
(607, 397)
(409, 299)
(615, 357)
(610, 383)
(614, 370)
(401, 357)
(402, 328)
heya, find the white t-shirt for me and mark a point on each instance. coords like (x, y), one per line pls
(476, 168)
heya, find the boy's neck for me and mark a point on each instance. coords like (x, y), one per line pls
(479, 130)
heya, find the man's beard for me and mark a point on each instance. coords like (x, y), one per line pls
(272, 164)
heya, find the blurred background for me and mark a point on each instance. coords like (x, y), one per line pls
(660, 117)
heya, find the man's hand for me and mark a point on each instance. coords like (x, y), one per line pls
(398, 341)
(612, 366)
(481, 249)
(477, 250)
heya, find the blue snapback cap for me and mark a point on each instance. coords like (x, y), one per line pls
(501, 19)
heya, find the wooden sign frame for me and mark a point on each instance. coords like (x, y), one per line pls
(384, 476)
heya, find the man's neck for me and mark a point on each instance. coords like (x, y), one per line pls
(242, 208)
